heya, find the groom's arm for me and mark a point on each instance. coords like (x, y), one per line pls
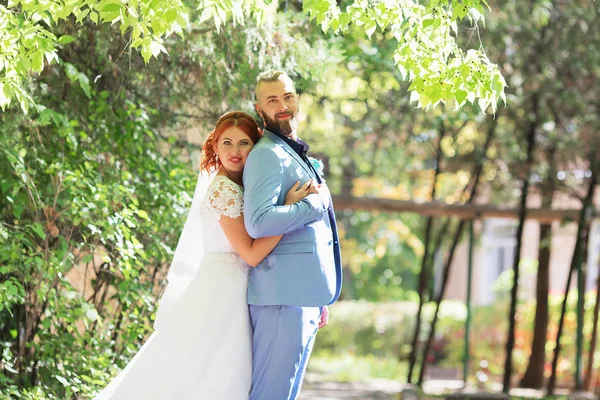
(263, 175)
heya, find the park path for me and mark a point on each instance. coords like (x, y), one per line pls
(391, 390)
(372, 390)
(347, 391)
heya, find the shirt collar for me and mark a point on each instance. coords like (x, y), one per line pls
(299, 145)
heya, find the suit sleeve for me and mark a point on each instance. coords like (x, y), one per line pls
(263, 180)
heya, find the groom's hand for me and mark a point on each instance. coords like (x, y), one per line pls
(324, 317)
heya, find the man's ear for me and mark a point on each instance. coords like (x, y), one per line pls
(258, 110)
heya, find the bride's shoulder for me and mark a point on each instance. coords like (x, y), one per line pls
(221, 182)
(225, 196)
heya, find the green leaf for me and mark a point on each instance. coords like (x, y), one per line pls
(428, 22)
(17, 211)
(146, 52)
(5, 185)
(80, 15)
(4, 96)
(345, 20)
(111, 7)
(142, 214)
(66, 39)
(37, 61)
(461, 96)
(157, 26)
(335, 25)
(39, 230)
(370, 27)
(171, 15)
(110, 17)
(435, 92)
(460, 11)
(11, 288)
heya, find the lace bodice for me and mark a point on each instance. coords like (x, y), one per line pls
(223, 198)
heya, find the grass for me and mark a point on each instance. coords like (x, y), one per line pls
(350, 368)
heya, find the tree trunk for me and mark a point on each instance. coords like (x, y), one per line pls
(438, 300)
(581, 278)
(510, 342)
(423, 276)
(442, 234)
(534, 375)
(348, 177)
(589, 375)
(583, 216)
(447, 266)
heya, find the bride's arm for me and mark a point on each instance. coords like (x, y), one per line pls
(253, 251)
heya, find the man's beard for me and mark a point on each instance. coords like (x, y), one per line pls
(287, 127)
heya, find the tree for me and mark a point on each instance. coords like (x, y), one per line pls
(472, 194)
(534, 375)
(426, 54)
(424, 277)
(96, 181)
(576, 260)
(536, 76)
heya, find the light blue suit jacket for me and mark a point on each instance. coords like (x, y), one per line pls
(304, 269)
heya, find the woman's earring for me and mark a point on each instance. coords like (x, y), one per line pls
(217, 157)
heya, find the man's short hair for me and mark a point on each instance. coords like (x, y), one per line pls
(272, 75)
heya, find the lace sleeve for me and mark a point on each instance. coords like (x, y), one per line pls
(226, 198)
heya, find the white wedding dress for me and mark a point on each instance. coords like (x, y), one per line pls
(201, 347)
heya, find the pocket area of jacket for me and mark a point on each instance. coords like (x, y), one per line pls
(294, 247)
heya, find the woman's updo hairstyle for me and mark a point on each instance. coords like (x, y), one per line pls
(239, 119)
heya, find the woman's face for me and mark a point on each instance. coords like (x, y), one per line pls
(233, 148)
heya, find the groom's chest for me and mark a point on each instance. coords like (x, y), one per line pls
(294, 167)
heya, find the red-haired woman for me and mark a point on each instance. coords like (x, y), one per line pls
(201, 348)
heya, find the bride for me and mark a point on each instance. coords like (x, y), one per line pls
(202, 344)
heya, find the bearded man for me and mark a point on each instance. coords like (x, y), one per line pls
(288, 291)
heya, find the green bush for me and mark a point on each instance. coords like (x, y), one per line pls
(84, 187)
(376, 334)
(380, 329)
(490, 326)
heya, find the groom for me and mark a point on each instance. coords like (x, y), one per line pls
(289, 290)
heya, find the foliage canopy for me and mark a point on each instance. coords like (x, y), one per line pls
(427, 53)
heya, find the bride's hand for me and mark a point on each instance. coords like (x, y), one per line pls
(297, 192)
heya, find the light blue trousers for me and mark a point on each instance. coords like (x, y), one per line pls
(281, 346)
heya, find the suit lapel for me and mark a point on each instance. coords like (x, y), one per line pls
(279, 141)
